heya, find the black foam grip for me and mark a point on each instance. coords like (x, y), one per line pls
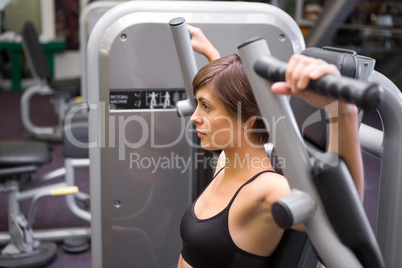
(365, 95)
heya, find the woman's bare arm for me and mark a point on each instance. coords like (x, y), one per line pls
(202, 45)
(343, 117)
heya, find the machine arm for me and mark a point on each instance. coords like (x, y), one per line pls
(343, 206)
(316, 179)
(364, 95)
(187, 62)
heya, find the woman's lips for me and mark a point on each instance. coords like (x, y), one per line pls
(201, 134)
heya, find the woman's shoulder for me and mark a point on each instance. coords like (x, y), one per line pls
(257, 197)
(269, 187)
(270, 178)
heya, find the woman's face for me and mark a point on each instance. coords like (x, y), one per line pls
(216, 128)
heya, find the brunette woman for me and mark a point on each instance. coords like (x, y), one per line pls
(230, 224)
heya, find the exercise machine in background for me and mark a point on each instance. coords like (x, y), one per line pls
(23, 245)
(63, 92)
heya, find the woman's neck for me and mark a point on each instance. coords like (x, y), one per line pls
(246, 159)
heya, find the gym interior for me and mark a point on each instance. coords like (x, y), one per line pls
(98, 160)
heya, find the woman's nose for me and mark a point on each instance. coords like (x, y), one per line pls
(196, 119)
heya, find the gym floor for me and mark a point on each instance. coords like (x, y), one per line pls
(53, 212)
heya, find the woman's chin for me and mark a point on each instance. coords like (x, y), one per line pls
(209, 147)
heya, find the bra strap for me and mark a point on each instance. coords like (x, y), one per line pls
(244, 184)
(218, 172)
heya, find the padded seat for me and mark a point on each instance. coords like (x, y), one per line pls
(78, 128)
(61, 90)
(24, 153)
(70, 87)
(40, 68)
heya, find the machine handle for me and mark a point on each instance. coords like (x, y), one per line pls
(365, 95)
(187, 62)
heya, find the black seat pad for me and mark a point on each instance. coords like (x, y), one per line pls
(78, 127)
(69, 86)
(22, 153)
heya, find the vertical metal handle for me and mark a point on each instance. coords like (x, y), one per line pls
(188, 66)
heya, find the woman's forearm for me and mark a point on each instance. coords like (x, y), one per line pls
(344, 140)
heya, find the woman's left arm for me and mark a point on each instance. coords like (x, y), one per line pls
(344, 140)
(343, 117)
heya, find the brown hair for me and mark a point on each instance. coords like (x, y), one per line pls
(229, 83)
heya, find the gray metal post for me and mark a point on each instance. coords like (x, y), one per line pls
(187, 62)
(371, 140)
(389, 232)
(70, 164)
(89, 16)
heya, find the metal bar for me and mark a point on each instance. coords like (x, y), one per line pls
(61, 234)
(188, 66)
(57, 173)
(70, 199)
(31, 193)
(371, 140)
(52, 234)
(389, 233)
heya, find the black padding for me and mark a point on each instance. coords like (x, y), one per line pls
(344, 209)
(345, 60)
(35, 51)
(23, 153)
(312, 122)
(78, 127)
(282, 214)
(36, 54)
(66, 86)
(294, 250)
(4, 172)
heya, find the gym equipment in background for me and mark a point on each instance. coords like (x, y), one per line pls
(63, 91)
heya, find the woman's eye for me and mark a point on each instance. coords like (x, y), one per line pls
(205, 106)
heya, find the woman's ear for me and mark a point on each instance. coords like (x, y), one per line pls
(249, 124)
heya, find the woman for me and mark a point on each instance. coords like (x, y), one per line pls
(230, 224)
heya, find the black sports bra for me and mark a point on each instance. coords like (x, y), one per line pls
(207, 242)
